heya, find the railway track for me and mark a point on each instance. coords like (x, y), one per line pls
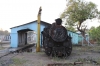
(6, 59)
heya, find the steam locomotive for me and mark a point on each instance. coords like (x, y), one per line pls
(56, 41)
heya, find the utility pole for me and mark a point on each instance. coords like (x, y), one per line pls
(38, 30)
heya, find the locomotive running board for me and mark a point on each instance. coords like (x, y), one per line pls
(66, 64)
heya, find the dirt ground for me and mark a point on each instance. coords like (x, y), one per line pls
(88, 56)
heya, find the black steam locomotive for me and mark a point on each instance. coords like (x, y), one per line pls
(56, 41)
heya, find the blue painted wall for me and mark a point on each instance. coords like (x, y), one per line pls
(74, 37)
(14, 35)
(80, 38)
(14, 40)
(33, 26)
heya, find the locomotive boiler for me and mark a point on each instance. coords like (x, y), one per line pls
(56, 41)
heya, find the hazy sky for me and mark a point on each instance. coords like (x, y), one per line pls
(17, 12)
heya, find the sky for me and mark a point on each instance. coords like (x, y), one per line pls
(17, 12)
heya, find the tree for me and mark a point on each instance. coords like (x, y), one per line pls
(95, 33)
(92, 33)
(4, 32)
(71, 28)
(77, 12)
(98, 33)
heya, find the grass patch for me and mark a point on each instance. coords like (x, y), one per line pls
(18, 62)
(86, 48)
(89, 60)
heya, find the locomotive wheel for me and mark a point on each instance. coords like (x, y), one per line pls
(69, 50)
(48, 51)
(53, 54)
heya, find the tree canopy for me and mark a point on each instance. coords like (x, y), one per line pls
(77, 11)
(71, 28)
(4, 32)
(95, 33)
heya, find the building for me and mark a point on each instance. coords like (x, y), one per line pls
(82, 41)
(22, 33)
(74, 37)
(19, 33)
(5, 37)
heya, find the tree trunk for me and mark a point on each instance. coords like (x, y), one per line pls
(83, 34)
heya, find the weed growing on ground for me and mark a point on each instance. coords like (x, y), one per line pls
(18, 62)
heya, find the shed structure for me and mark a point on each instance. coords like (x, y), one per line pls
(19, 33)
(74, 36)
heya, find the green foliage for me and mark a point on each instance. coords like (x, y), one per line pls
(71, 28)
(78, 11)
(95, 33)
(92, 33)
